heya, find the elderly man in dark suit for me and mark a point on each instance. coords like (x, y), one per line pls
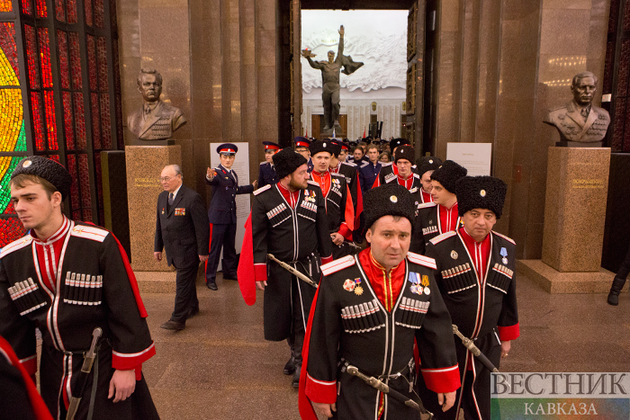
(222, 214)
(182, 230)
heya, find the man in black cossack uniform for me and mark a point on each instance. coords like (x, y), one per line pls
(369, 310)
(67, 278)
(289, 221)
(475, 273)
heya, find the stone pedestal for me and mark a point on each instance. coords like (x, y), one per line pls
(575, 208)
(144, 165)
(575, 212)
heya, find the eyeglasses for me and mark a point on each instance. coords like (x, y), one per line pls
(167, 178)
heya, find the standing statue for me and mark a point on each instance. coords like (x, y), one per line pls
(579, 122)
(330, 81)
(155, 120)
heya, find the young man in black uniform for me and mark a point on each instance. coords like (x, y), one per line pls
(475, 273)
(267, 172)
(181, 228)
(222, 215)
(369, 310)
(289, 221)
(426, 165)
(440, 215)
(67, 278)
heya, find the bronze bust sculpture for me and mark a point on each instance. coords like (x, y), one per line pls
(580, 123)
(330, 81)
(155, 120)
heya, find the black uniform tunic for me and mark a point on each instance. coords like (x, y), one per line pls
(484, 309)
(296, 236)
(350, 324)
(93, 286)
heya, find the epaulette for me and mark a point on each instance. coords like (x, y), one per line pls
(507, 238)
(16, 245)
(337, 265)
(262, 163)
(415, 175)
(384, 165)
(351, 164)
(421, 260)
(363, 164)
(558, 108)
(337, 175)
(443, 236)
(89, 232)
(426, 205)
(312, 182)
(262, 189)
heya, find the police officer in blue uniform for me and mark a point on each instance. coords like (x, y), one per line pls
(222, 214)
(267, 173)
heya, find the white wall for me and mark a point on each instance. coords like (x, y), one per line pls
(376, 37)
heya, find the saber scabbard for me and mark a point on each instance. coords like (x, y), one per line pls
(86, 368)
(468, 343)
(293, 271)
(384, 388)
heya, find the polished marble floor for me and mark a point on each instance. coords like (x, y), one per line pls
(220, 367)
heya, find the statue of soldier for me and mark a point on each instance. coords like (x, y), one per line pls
(155, 120)
(579, 122)
(330, 81)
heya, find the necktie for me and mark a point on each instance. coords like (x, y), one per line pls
(171, 198)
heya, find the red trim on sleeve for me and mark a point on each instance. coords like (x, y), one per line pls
(323, 392)
(509, 333)
(261, 271)
(442, 379)
(128, 361)
(326, 260)
(344, 231)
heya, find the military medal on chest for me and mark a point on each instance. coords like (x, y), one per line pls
(416, 286)
(425, 283)
(358, 290)
(454, 254)
(504, 254)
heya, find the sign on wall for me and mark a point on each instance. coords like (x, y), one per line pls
(476, 157)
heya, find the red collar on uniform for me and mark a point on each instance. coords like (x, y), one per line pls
(386, 285)
(291, 197)
(479, 252)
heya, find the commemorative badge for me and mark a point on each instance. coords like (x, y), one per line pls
(454, 254)
(162, 210)
(427, 291)
(358, 290)
(504, 254)
(180, 211)
(349, 285)
(414, 279)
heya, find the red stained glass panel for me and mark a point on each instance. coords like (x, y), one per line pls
(88, 12)
(51, 125)
(84, 181)
(31, 57)
(41, 8)
(71, 163)
(91, 49)
(71, 6)
(75, 60)
(27, 7)
(68, 124)
(60, 11)
(11, 229)
(79, 121)
(9, 46)
(105, 119)
(44, 53)
(99, 13)
(96, 123)
(64, 63)
(102, 64)
(38, 120)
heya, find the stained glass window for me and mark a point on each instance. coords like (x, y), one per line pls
(46, 111)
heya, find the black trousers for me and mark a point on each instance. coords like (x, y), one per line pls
(185, 292)
(223, 236)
